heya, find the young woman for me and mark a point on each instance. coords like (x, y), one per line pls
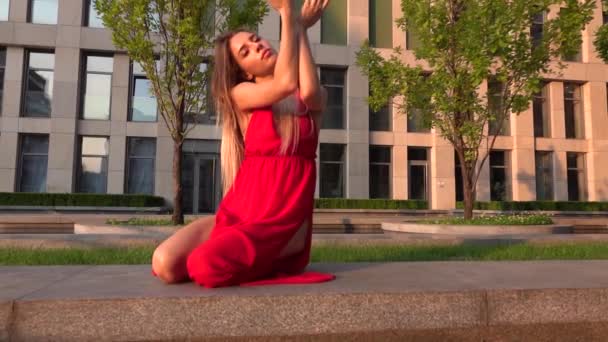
(270, 105)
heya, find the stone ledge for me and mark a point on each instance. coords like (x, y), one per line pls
(456, 229)
(399, 301)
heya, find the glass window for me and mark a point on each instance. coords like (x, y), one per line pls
(544, 175)
(332, 173)
(536, 30)
(573, 110)
(38, 84)
(141, 154)
(418, 173)
(380, 120)
(93, 171)
(540, 109)
(379, 172)
(381, 23)
(334, 23)
(495, 106)
(2, 68)
(577, 185)
(33, 161)
(202, 111)
(43, 12)
(93, 19)
(604, 14)
(4, 7)
(97, 87)
(143, 101)
(412, 42)
(499, 176)
(416, 124)
(333, 80)
(458, 178)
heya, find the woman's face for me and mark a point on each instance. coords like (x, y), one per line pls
(254, 55)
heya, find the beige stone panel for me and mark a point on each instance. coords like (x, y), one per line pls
(118, 149)
(331, 55)
(525, 142)
(205, 132)
(8, 149)
(399, 188)
(503, 143)
(398, 33)
(14, 65)
(400, 138)
(164, 154)
(419, 139)
(163, 185)
(161, 128)
(588, 50)
(116, 182)
(96, 39)
(314, 33)
(574, 145)
(9, 124)
(62, 125)
(7, 180)
(358, 85)
(381, 138)
(68, 36)
(442, 191)
(598, 145)
(574, 71)
(523, 175)
(67, 65)
(11, 104)
(35, 125)
(399, 120)
(560, 180)
(596, 72)
(483, 184)
(357, 114)
(94, 127)
(523, 123)
(142, 129)
(358, 187)
(597, 164)
(18, 11)
(595, 108)
(333, 136)
(118, 128)
(358, 159)
(35, 35)
(358, 26)
(70, 12)
(65, 100)
(59, 180)
(358, 137)
(119, 105)
(61, 151)
(556, 107)
(121, 70)
(7, 31)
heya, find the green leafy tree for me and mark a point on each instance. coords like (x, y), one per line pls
(462, 45)
(170, 39)
(601, 36)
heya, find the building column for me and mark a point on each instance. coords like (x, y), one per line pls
(522, 164)
(118, 124)
(64, 117)
(596, 121)
(400, 176)
(442, 183)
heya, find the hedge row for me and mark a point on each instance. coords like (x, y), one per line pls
(79, 200)
(539, 205)
(345, 203)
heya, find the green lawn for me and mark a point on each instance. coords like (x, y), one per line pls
(325, 253)
(138, 221)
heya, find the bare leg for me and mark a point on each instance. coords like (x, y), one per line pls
(169, 259)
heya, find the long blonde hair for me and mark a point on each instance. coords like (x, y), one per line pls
(226, 75)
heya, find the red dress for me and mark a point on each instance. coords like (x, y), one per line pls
(270, 199)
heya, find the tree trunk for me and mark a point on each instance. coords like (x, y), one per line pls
(178, 214)
(469, 193)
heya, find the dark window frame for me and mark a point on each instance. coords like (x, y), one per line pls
(128, 158)
(80, 156)
(20, 154)
(30, 12)
(133, 77)
(24, 85)
(343, 162)
(377, 163)
(343, 69)
(507, 170)
(83, 82)
(577, 101)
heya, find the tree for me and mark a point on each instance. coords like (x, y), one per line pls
(463, 44)
(601, 36)
(170, 39)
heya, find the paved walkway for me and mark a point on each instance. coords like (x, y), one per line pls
(532, 301)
